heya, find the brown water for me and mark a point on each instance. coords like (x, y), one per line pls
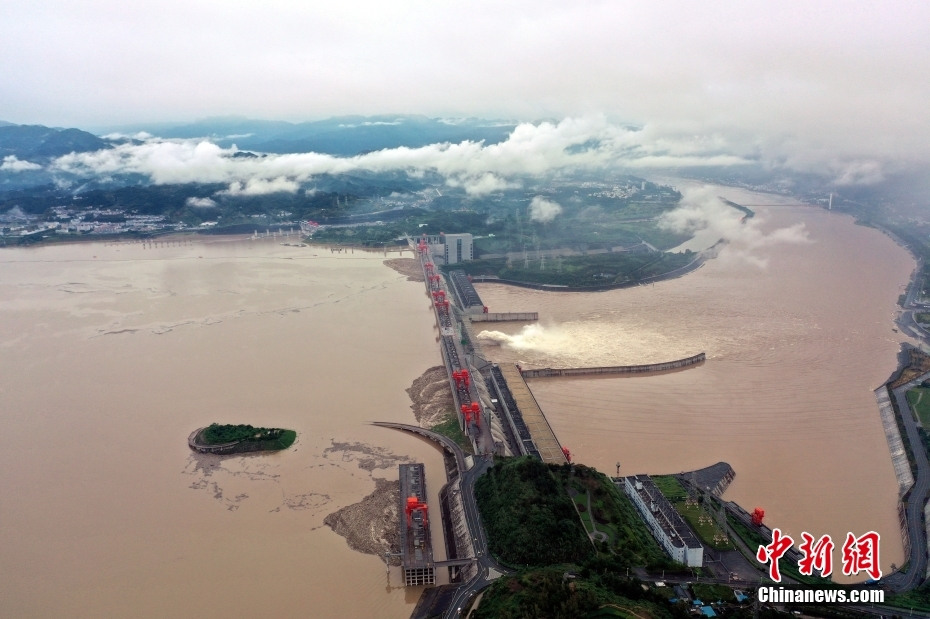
(797, 335)
(113, 353)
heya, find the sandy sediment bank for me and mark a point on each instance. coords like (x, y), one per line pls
(406, 266)
(370, 526)
(431, 396)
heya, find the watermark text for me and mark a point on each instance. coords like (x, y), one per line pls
(782, 595)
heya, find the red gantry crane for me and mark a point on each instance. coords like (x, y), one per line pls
(414, 504)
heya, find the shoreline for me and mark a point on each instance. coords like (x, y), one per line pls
(195, 442)
(370, 526)
(692, 266)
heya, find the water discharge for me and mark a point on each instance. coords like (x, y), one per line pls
(796, 319)
(113, 353)
(531, 337)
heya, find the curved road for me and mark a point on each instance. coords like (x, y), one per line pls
(920, 492)
(487, 568)
(916, 500)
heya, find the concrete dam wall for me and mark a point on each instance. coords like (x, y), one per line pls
(649, 368)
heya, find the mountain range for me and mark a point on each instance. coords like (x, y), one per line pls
(343, 136)
(38, 142)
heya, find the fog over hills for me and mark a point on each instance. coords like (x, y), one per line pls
(345, 136)
(299, 100)
(480, 158)
(831, 88)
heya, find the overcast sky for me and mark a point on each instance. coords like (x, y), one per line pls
(788, 81)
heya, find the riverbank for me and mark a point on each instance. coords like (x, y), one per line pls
(694, 265)
(371, 525)
(431, 397)
(406, 266)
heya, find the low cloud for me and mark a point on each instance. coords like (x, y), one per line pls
(16, 213)
(201, 202)
(12, 164)
(481, 185)
(859, 173)
(543, 210)
(531, 150)
(702, 212)
(141, 135)
(260, 187)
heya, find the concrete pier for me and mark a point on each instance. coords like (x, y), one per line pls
(518, 435)
(505, 317)
(639, 370)
(543, 437)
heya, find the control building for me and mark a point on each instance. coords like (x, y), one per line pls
(452, 248)
(666, 524)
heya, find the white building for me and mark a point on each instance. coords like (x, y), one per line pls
(452, 248)
(666, 524)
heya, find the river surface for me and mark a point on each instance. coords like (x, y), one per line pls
(796, 317)
(111, 354)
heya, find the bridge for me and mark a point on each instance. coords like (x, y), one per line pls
(445, 442)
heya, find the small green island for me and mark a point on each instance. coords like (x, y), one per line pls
(229, 439)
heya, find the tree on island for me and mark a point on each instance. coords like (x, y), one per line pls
(274, 438)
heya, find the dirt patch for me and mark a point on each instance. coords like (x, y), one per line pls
(367, 457)
(431, 397)
(371, 525)
(407, 266)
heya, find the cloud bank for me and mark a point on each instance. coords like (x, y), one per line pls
(829, 84)
(702, 213)
(586, 143)
(12, 164)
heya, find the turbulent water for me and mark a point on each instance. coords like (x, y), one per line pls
(796, 317)
(113, 353)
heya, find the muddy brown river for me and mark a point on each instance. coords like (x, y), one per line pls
(797, 324)
(112, 353)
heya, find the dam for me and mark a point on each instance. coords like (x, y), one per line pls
(649, 368)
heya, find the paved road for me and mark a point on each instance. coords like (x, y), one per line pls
(917, 499)
(487, 568)
(920, 491)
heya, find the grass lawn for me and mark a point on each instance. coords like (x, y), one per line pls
(449, 427)
(917, 600)
(581, 503)
(919, 399)
(695, 515)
